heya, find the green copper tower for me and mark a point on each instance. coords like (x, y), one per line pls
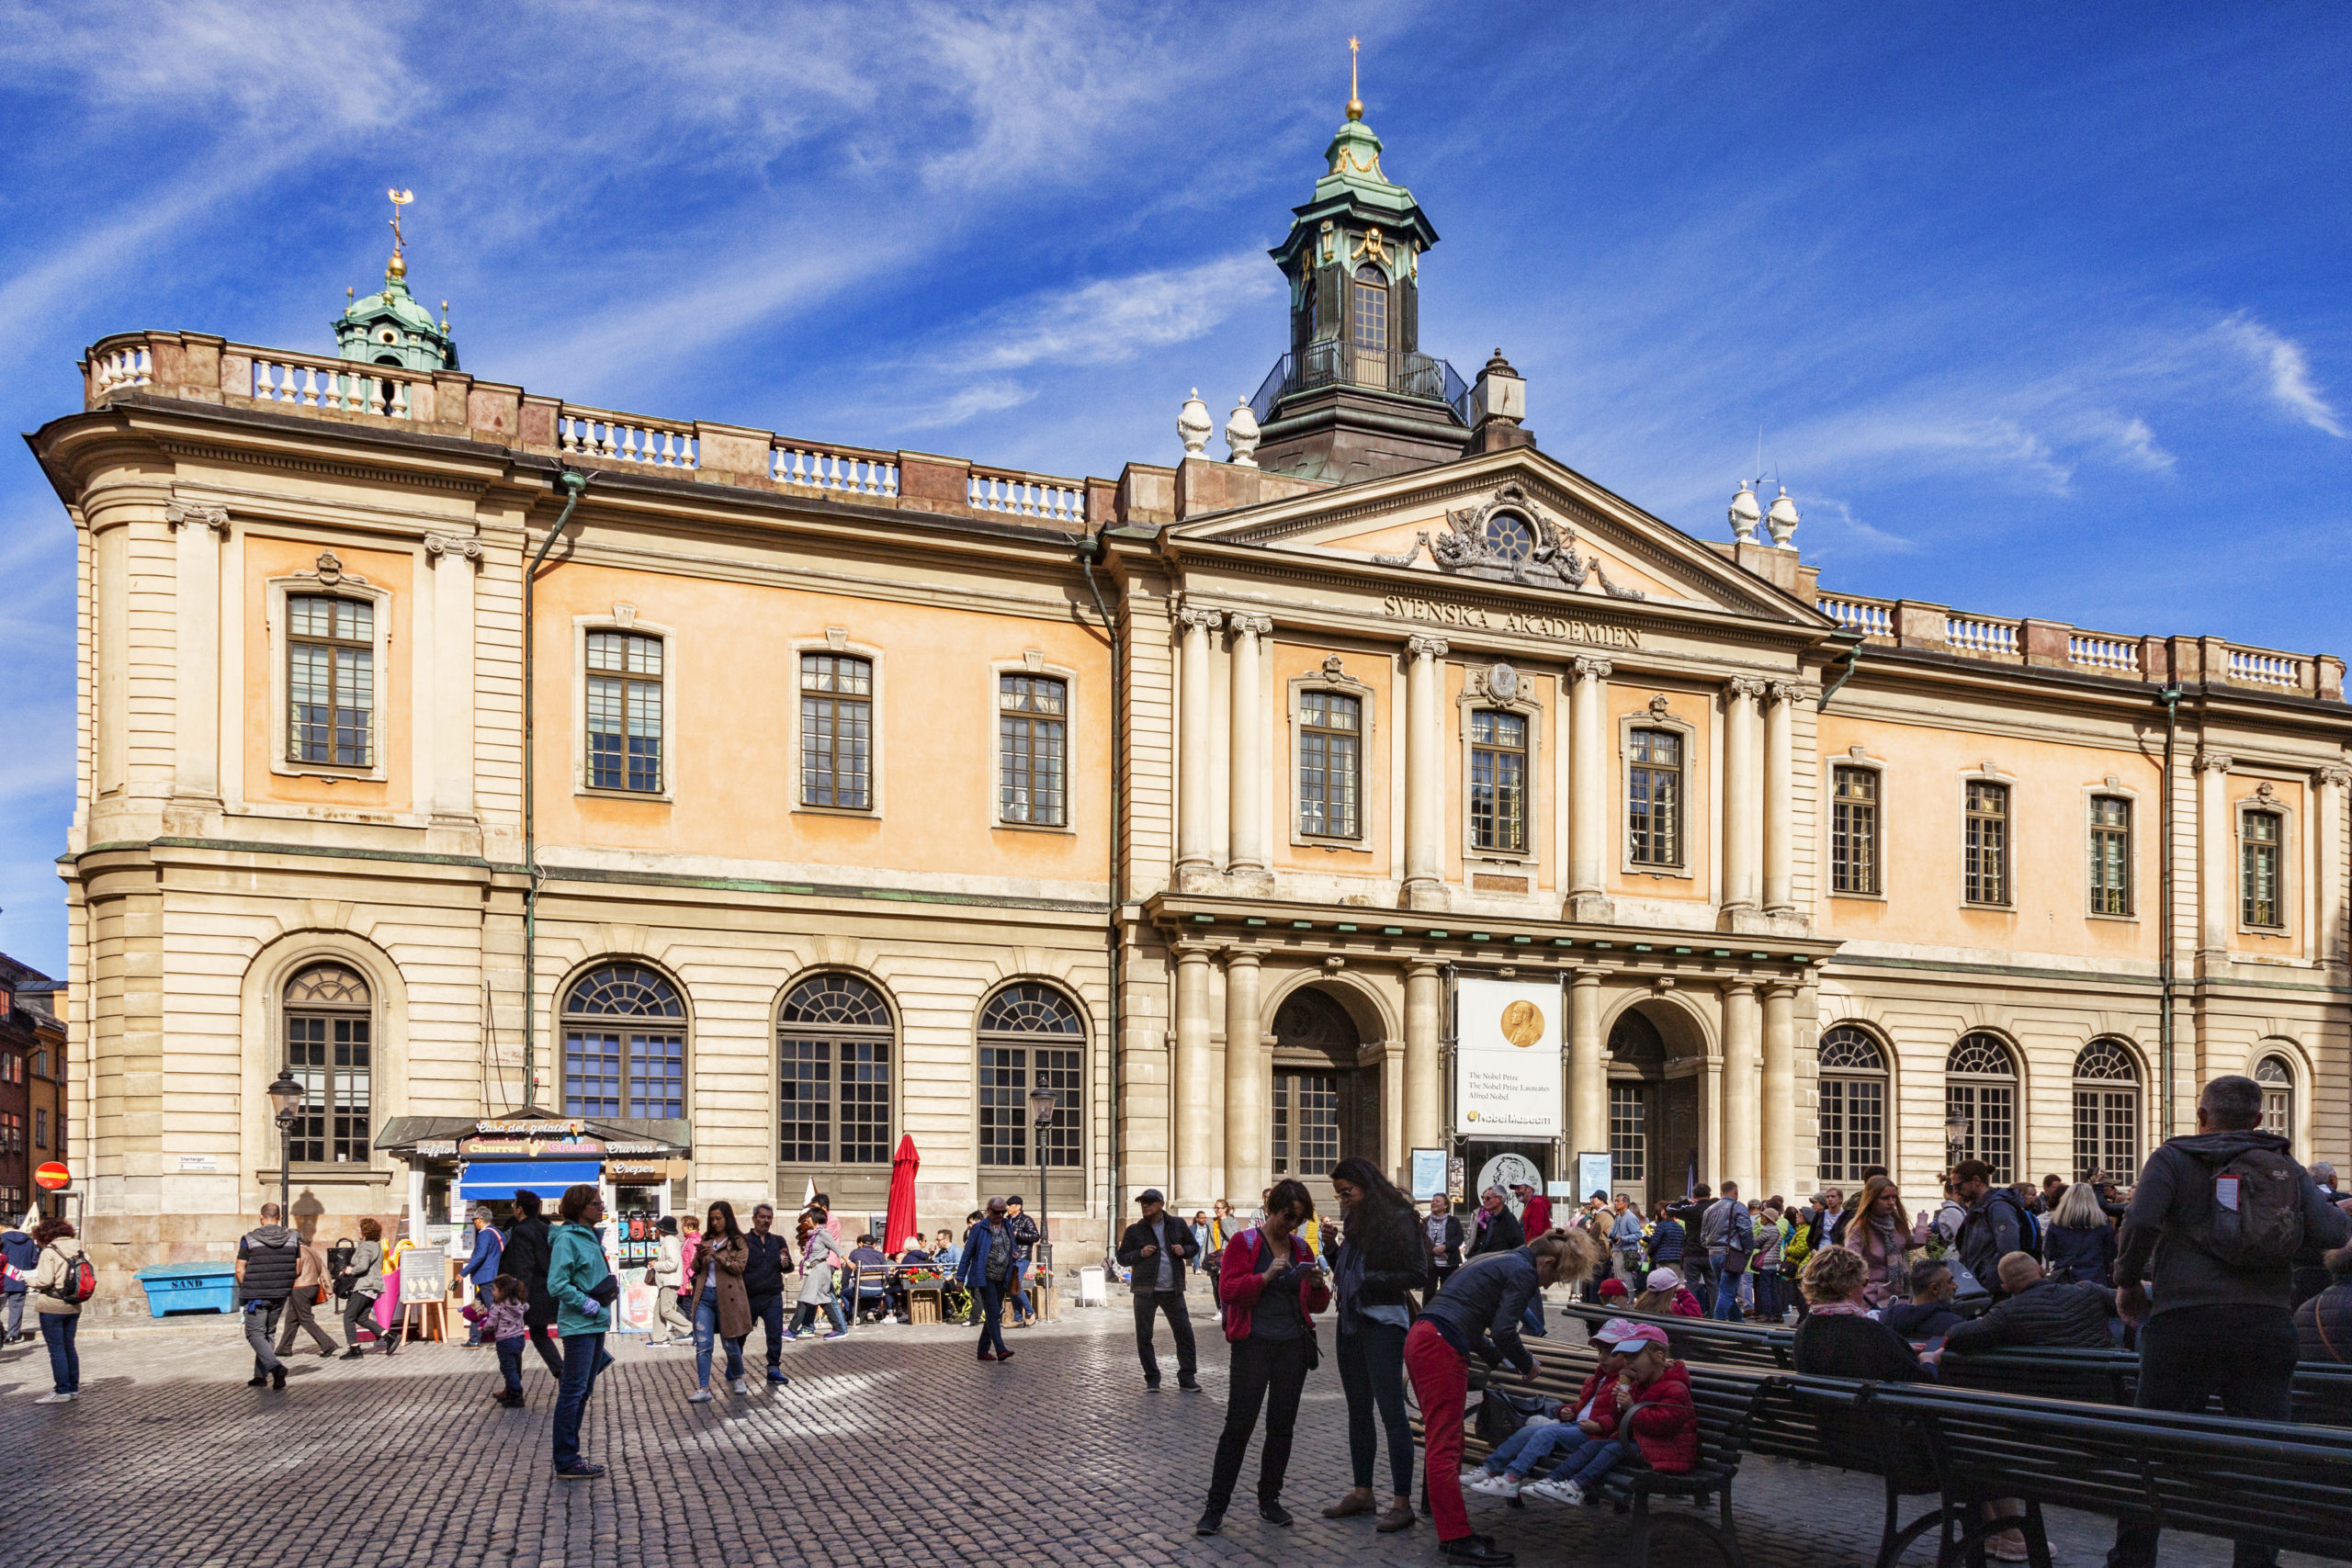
(390, 328)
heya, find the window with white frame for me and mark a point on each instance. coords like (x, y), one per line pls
(1985, 845)
(1330, 763)
(2260, 836)
(1853, 831)
(330, 681)
(1853, 1103)
(1499, 781)
(1033, 750)
(2110, 850)
(1653, 797)
(837, 731)
(2107, 1112)
(2277, 1081)
(330, 1052)
(623, 708)
(1981, 1096)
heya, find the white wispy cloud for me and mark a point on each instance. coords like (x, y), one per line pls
(1114, 318)
(965, 403)
(2287, 368)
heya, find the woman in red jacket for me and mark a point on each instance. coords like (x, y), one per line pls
(1271, 1287)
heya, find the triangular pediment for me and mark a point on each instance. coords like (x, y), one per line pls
(1514, 519)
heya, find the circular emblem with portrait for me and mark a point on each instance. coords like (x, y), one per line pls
(1523, 1023)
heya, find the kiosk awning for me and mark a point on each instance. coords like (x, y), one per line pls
(486, 1180)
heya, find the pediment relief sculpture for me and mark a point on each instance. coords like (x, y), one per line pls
(1509, 538)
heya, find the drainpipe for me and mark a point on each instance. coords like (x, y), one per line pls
(572, 482)
(1853, 662)
(1090, 550)
(2170, 699)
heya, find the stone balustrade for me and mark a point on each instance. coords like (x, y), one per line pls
(2054, 645)
(196, 367)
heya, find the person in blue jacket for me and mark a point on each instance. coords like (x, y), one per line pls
(17, 1251)
(990, 1269)
(482, 1268)
(585, 1291)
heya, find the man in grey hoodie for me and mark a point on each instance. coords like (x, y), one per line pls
(267, 1258)
(2207, 1325)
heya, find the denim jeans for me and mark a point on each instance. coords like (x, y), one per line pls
(992, 1313)
(1726, 1299)
(705, 1331)
(584, 1355)
(1586, 1460)
(768, 1310)
(510, 1361)
(64, 1361)
(1519, 1453)
(1371, 1375)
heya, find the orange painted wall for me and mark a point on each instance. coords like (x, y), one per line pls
(264, 731)
(732, 714)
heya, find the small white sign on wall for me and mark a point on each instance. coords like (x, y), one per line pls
(208, 1165)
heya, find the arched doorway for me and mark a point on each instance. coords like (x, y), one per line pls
(1654, 1129)
(1325, 1105)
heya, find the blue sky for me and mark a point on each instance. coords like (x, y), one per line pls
(2042, 309)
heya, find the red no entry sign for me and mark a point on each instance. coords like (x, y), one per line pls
(53, 1175)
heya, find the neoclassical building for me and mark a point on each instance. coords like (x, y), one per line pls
(724, 806)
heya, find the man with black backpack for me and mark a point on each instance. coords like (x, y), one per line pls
(1996, 1224)
(2207, 1269)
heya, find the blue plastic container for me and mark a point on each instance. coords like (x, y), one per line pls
(189, 1287)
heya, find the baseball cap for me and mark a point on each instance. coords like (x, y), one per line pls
(1613, 1288)
(1151, 1195)
(1616, 1328)
(1634, 1336)
(1662, 1280)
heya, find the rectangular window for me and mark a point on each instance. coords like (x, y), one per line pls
(328, 1053)
(836, 731)
(1853, 831)
(330, 681)
(2111, 856)
(1853, 1127)
(1006, 1072)
(1499, 781)
(1307, 1124)
(1984, 867)
(40, 1128)
(1330, 764)
(1629, 1132)
(12, 1131)
(865, 1101)
(807, 1099)
(1989, 1111)
(624, 712)
(2107, 1133)
(1654, 797)
(1033, 750)
(2258, 900)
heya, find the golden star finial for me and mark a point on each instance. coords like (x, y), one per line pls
(1355, 99)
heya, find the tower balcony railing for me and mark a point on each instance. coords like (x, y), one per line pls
(1331, 361)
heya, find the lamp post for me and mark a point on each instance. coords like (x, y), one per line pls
(1955, 1134)
(1042, 1103)
(286, 1096)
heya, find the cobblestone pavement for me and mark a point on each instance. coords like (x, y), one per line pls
(893, 1446)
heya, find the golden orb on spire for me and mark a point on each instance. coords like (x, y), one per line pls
(1355, 99)
(398, 265)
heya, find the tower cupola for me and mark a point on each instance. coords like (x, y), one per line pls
(390, 327)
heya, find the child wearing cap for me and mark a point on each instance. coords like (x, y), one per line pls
(1649, 1404)
(1591, 1416)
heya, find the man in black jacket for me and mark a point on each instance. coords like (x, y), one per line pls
(2037, 1309)
(528, 1248)
(268, 1257)
(1994, 1228)
(763, 1272)
(1494, 1227)
(1025, 1237)
(2209, 1325)
(1691, 1213)
(1157, 1248)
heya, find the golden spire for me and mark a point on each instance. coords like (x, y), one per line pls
(1356, 100)
(398, 265)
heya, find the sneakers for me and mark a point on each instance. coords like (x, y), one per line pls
(1273, 1513)
(581, 1471)
(54, 1399)
(1211, 1521)
(354, 1354)
(777, 1378)
(1477, 1550)
(699, 1396)
(838, 1334)
(1503, 1485)
(1567, 1491)
(737, 1387)
(1188, 1386)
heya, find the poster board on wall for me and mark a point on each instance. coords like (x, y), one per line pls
(1428, 1174)
(1507, 1076)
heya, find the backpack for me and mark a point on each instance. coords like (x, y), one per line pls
(2256, 1217)
(2028, 1226)
(79, 1282)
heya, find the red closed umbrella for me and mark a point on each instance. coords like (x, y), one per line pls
(898, 1224)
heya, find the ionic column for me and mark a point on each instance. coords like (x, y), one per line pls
(2328, 842)
(1780, 1158)
(196, 621)
(1393, 1144)
(455, 562)
(1424, 776)
(1248, 1086)
(1424, 1039)
(1780, 794)
(1247, 850)
(2217, 877)
(1194, 744)
(1200, 1094)
(1739, 793)
(1589, 778)
(1740, 1133)
(1588, 1066)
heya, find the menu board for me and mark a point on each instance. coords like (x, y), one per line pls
(424, 1275)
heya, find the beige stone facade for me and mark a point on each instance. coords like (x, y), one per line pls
(1338, 745)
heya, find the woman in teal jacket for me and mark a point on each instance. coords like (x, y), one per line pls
(577, 1277)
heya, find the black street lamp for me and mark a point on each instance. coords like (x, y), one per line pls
(285, 1096)
(1041, 1109)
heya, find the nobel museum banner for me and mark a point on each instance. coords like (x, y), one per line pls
(1506, 1061)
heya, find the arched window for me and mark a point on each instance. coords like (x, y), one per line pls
(1853, 1103)
(1368, 325)
(834, 1050)
(328, 1051)
(2277, 1077)
(1031, 1036)
(1981, 1096)
(2107, 1112)
(624, 1044)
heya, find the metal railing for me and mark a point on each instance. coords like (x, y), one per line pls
(1329, 361)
